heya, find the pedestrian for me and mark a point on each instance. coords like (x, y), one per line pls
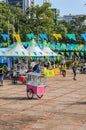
(37, 68)
(74, 68)
(1, 76)
(11, 73)
(64, 67)
(30, 69)
(14, 79)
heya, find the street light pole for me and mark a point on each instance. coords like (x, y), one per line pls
(18, 27)
(8, 30)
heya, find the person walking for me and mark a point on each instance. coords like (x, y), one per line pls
(1, 76)
(14, 78)
(64, 67)
(74, 68)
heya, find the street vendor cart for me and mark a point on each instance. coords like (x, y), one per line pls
(35, 85)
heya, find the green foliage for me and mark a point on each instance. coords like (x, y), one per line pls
(38, 19)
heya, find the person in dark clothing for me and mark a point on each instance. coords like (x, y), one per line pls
(14, 77)
(74, 68)
(36, 68)
(1, 76)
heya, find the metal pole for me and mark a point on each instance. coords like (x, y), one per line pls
(18, 27)
(13, 30)
(8, 30)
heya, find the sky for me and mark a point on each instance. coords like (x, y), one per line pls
(73, 7)
(66, 7)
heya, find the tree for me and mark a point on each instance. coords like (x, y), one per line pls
(40, 19)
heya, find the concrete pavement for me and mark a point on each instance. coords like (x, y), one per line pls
(62, 108)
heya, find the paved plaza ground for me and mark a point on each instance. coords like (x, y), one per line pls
(62, 108)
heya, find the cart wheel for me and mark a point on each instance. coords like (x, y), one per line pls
(40, 96)
(30, 94)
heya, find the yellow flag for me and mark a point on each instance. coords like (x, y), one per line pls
(5, 44)
(17, 37)
(81, 46)
(62, 53)
(45, 42)
(77, 53)
(57, 36)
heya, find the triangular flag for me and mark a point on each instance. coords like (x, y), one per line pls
(77, 53)
(5, 44)
(84, 36)
(71, 36)
(31, 36)
(82, 53)
(17, 37)
(80, 46)
(57, 36)
(62, 53)
(67, 53)
(43, 36)
(5, 36)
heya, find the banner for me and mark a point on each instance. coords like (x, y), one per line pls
(5, 36)
(57, 36)
(72, 53)
(77, 53)
(71, 36)
(67, 53)
(80, 46)
(62, 53)
(31, 36)
(43, 36)
(82, 53)
(84, 36)
(17, 37)
(52, 72)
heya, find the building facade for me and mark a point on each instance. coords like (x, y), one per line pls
(69, 18)
(23, 4)
(56, 14)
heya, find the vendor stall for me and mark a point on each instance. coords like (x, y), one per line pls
(20, 63)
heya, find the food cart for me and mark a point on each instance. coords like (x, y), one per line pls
(35, 85)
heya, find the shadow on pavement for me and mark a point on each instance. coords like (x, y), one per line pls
(16, 98)
(81, 103)
(77, 103)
